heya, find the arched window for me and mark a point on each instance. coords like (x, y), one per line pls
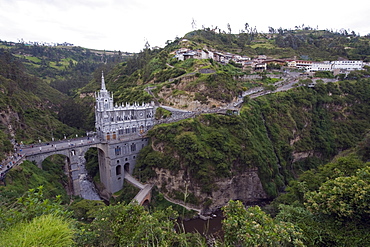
(118, 150)
(142, 129)
(127, 167)
(118, 170)
(133, 147)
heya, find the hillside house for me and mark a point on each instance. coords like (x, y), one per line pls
(291, 63)
(260, 59)
(260, 66)
(190, 54)
(302, 64)
(219, 57)
(275, 61)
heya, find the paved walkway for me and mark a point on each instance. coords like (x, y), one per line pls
(133, 181)
(143, 193)
(144, 188)
(182, 204)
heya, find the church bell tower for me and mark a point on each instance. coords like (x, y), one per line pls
(104, 104)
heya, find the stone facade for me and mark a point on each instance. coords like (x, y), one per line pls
(115, 159)
(121, 122)
(120, 130)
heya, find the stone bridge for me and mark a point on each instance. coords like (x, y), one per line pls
(74, 161)
(119, 138)
(117, 160)
(72, 152)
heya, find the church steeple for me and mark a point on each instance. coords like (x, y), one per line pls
(102, 82)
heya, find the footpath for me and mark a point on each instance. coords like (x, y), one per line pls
(144, 188)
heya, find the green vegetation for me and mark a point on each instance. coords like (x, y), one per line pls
(125, 195)
(305, 43)
(45, 230)
(159, 202)
(28, 105)
(28, 176)
(253, 227)
(64, 68)
(267, 134)
(324, 74)
(334, 195)
(46, 92)
(162, 113)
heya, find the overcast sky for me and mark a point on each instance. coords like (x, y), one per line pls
(125, 25)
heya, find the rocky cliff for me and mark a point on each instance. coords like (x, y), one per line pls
(245, 186)
(213, 158)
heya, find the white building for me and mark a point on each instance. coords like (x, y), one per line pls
(320, 66)
(348, 65)
(302, 64)
(123, 121)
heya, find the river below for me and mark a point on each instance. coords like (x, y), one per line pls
(210, 227)
(213, 226)
(87, 188)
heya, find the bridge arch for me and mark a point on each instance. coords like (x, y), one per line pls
(115, 158)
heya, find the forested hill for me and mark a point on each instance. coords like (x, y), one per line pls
(66, 68)
(281, 134)
(277, 144)
(181, 83)
(303, 43)
(28, 105)
(39, 90)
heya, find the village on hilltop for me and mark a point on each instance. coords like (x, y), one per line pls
(262, 61)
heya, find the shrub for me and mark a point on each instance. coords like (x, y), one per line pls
(43, 231)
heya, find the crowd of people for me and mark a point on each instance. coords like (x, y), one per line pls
(10, 161)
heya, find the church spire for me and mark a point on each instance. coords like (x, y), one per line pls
(102, 82)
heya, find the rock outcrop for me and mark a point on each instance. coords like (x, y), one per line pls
(245, 186)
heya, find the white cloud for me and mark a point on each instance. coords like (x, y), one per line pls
(125, 24)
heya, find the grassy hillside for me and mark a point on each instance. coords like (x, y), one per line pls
(205, 80)
(66, 68)
(28, 105)
(282, 43)
(28, 176)
(181, 83)
(334, 195)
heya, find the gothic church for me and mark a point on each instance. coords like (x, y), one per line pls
(121, 122)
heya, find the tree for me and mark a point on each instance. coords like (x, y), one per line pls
(193, 24)
(343, 197)
(132, 225)
(271, 30)
(147, 45)
(229, 28)
(253, 227)
(246, 26)
(246, 99)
